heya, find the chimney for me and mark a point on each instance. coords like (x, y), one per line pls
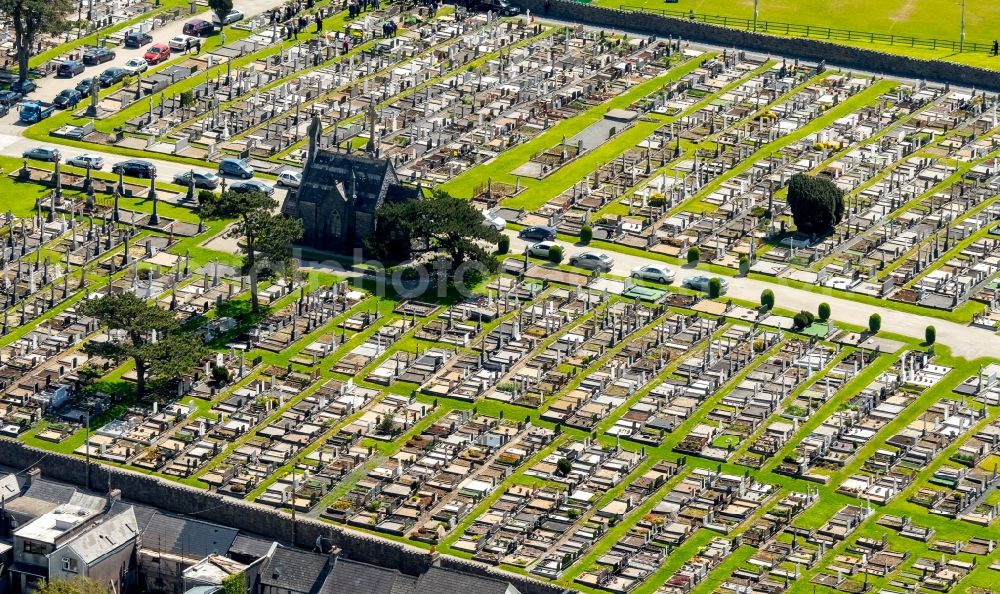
(114, 496)
(33, 475)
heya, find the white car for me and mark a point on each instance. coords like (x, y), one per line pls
(135, 66)
(86, 161)
(290, 179)
(233, 16)
(540, 249)
(492, 220)
(593, 261)
(701, 283)
(658, 273)
(181, 43)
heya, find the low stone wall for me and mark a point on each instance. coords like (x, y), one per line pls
(808, 49)
(246, 516)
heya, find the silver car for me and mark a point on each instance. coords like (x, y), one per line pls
(593, 261)
(87, 161)
(700, 283)
(657, 273)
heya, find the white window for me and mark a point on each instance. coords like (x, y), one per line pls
(69, 564)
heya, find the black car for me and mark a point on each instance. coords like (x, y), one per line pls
(69, 69)
(84, 85)
(137, 39)
(539, 233)
(97, 55)
(67, 98)
(251, 185)
(23, 86)
(112, 76)
(9, 98)
(135, 168)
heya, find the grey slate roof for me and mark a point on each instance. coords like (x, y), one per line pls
(184, 536)
(438, 580)
(295, 571)
(250, 546)
(105, 538)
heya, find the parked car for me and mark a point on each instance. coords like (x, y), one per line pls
(98, 55)
(700, 283)
(198, 28)
(4, 110)
(43, 153)
(84, 85)
(158, 52)
(658, 273)
(181, 43)
(69, 69)
(236, 168)
(23, 86)
(86, 161)
(539, 233)
(9, 98)
(492, 220)
(251, 185)
(501, 7)
(67, 99)
(207, 179)
(32, 112)
(137, 39)
(135, 65)
(135, 168)
(290, 179)
(540, 249)
(111, 76)
(592, 261)
(233, 16)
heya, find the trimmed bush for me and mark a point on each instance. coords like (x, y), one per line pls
(874, 323)
(556, 254)
(586, 234)
(503, 244)
(824, 311)
(714, 287)
(744, 265)
(767, 299)
(694, 254)
(930, 335)
(804, 319)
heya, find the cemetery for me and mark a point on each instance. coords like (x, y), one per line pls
(589, 429)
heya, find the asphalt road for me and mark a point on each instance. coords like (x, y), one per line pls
(965, 341)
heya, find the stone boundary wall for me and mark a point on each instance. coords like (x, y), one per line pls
(245, 516)
(807, 49)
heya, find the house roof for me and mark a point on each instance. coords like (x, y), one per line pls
(186, 537)
(105, 538)
(437, 579)
(294, 570)
(9, 487)
(360, 578)
(250, 546)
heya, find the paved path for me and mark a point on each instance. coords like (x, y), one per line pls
(965, 341)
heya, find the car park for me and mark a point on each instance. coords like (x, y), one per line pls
(251, 185)
(137, 39)
(67, 99)
(290, 179)
(541, 249)
(538, 233)
(158, 52)
(112, 76)
(235, 168)
(97, 55)
(135, 65)
(592, 261)
(135, 168)
(657, 273)
(86, 161)
(206, 179)
(701, 283)
(69, 69)
(43, 153)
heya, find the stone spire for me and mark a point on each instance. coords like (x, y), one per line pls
(314, 133)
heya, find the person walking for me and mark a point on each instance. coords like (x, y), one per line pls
(996, 47)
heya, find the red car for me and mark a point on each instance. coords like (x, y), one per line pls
(158, 52)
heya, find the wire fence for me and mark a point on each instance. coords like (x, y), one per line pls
(817, 32)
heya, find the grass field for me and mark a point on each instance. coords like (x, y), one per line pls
(938, 19)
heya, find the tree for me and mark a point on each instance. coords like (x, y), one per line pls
(586, 234)
(824, 311)
(803, 319)
(767, 299)
(31, 18)
(437, 224)
(556, 254)
(744, 265)
(930, 335)
(694, 254)
(714, 287)
(234, 584)
(74, 586)
(874, 323)
(503, 245)
(564, 466)
(817, 203)
(266, 237)
(149, 335)
(221, 8)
